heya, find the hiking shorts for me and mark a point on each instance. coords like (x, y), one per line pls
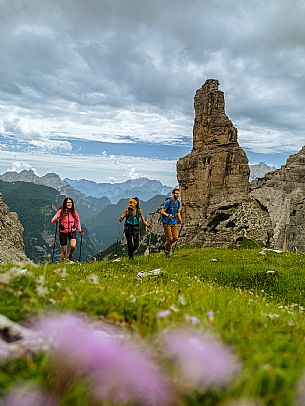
(64, 237)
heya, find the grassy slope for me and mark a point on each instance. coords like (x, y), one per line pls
(237, 288)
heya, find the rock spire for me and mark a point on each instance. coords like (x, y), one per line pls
(216, 172)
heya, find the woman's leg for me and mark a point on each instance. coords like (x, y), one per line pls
(63, 253)
(63, 245)
(136, 238)
(72, 248)
(128, 235)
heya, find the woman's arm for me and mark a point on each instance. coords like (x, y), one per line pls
(56, 217)
(143, 219)
(121, 218)
(77, 220)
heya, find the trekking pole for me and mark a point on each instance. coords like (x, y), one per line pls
(80, 248)
(149, 238)
(117, 240)
(54, 241)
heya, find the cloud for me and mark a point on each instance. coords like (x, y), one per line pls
(20, 166)
(13, 129)
(96, 167)
(132, 173)
(115, 70)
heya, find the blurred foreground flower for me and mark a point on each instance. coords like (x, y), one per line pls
(202, 362)
(117, 370)
(192, 319)
(210, 315)
(4, 350)
(300, 401)
(163, 313)
(27, 396)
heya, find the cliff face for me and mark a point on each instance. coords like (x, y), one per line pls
(215, 174)
(11, 236)
(283, 194)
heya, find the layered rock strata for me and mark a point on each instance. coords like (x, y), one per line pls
(282, 192)
(214, 180)
(11, 236)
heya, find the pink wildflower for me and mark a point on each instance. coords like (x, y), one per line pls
(117, 370)
(210, 314)
(192, 319)
(202, 361)
(4, 350)
(163, 313)
(24, 396)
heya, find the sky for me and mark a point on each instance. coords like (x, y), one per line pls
(104, 90)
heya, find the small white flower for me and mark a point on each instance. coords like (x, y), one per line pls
(182, 300)
(40, 280)
(94, 279)
(192, 319)
(174, 308)
(42, 291)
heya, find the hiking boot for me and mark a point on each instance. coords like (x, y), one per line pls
(70, 257)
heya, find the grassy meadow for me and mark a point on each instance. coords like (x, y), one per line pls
(254, 302)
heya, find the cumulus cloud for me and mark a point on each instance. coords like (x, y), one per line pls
(133, 174)
(20, 166)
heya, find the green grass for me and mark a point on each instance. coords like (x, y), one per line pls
(258, 313)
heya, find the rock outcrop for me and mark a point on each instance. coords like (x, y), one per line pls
(11, 236)
(214, 180)
(282, 192)
(216, 171)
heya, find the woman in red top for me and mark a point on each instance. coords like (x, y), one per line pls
(69, 221)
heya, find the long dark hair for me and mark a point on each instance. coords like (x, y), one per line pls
(138, 202)
(64, 208)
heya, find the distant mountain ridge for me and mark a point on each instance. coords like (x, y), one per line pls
(50, 179)
(143, 188)
(260, 170)
(89, 193)
(86, 205)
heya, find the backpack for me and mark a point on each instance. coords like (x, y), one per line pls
(168, 209)
(129, 215)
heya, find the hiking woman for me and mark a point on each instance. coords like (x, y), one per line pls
(69, 221)
(132, 225)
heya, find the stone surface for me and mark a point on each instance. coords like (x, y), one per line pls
(11, 236)
(282, 192)
(242, 223)
(216, 172)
